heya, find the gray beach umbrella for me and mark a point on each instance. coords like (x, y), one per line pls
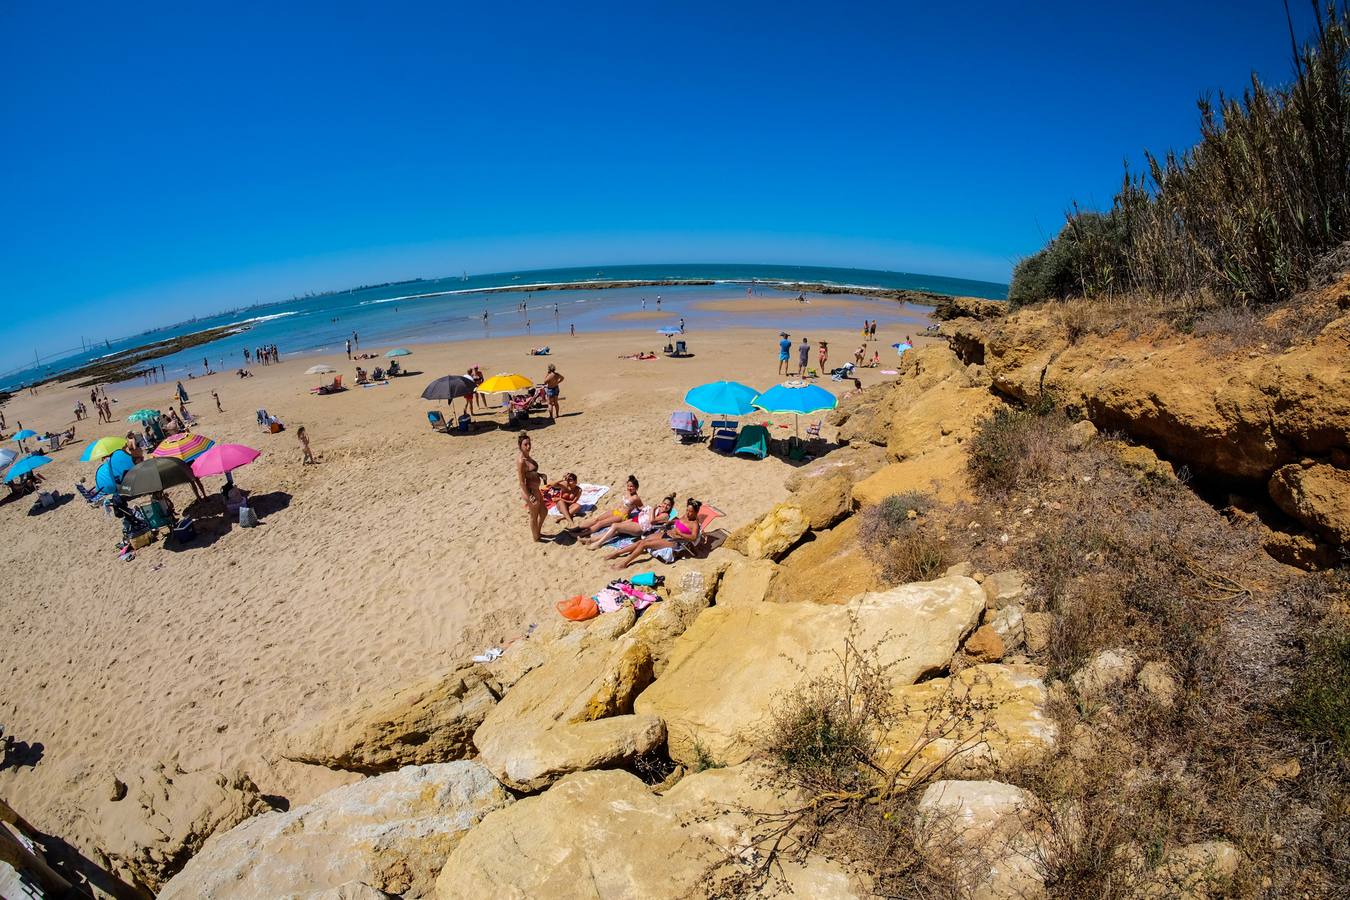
(449, 387)
(154, 475)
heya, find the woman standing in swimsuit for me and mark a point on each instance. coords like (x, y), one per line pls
(551, 382)
(531, 487)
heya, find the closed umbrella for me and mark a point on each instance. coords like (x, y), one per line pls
(222, 459)
(449, 387)
(320, 369)
(722, 398)
(186, 446)
(398, 351)
(26, 465)
(503, 383)
(796, 397)
(154, 475)
(109, 475)
(102, 447)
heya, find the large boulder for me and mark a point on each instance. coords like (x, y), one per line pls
(155, 818)
(774, 533)
(732, 664)
(389, 833)
(605, 835)
(981, 722)
(1318, 496)
(985, 831)
(574, 711)
(746, 581)
(830, 568)
(431, 721)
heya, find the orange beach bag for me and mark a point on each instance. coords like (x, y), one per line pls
(578, 608)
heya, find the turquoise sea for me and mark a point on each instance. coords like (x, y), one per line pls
(452, 308)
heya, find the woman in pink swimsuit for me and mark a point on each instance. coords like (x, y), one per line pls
(685, 531)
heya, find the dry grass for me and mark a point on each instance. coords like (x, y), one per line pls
(898, 539)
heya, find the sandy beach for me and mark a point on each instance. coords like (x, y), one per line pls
(401, 551)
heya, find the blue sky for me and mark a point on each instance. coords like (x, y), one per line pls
(168, 160)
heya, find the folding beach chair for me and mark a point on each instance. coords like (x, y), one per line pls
(437, 420)
(723, 435)
(687, 428)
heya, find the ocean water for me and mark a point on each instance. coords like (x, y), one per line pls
(452, 308)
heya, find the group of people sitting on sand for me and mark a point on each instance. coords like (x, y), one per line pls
(655, 528)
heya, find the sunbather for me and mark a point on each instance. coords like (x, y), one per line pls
(649, 520)
(566, 497)
(682, 532)
(626, 509)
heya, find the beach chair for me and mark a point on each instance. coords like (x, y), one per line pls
(723, 435)
(679, 350)
(705, 544)
(91, 497)
(154, 515)
(752, 442)
(687, 428)
(437, 420)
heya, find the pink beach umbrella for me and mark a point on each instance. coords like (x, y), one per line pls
(222, 459)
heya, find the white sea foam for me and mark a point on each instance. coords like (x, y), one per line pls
(268, 318)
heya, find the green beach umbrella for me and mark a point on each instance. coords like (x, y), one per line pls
(143, 415)
(398, 351)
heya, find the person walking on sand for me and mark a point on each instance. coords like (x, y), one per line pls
(574, 329)
(308, 456)
(216, 397)
(551, 383)
(803, 356)
(824, 354)
(531, 487)
(784, 352)
(681, 324)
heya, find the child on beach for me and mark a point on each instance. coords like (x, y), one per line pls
(216, 397)
(308, 457)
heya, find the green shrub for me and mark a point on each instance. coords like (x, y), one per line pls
(1012, 447)
(1319, 700)
(1084, 259)
(893, 536)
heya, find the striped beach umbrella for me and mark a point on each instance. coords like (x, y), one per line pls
(186, 446)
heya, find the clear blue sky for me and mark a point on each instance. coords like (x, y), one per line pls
(164, 161)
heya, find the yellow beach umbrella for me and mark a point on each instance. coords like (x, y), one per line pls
(505, 383)
(103, 447)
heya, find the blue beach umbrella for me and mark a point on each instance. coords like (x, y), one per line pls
(398, 351)
(25, 465)
(25, 434)
(722, 398)
(796, 397)
(901, 347)
(668, 331)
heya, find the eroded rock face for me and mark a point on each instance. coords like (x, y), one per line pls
(984, 829)
(728, 669)
(573, 712)
(773, 534)
(389, 833)
(164, 815)
(830, 568)
(1318, 496)
(978, 723)
(605, 835)
(432, 721)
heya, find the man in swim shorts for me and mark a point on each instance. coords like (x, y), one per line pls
(784, 352)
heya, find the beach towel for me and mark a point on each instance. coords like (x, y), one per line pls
(590, 496)
(753, 441)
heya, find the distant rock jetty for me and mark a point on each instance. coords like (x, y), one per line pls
(123, 366)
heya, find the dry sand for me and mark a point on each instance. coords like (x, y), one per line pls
(401, 551)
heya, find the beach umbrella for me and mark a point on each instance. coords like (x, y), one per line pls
(320, 369)
(668, 331)
(796, 397)
(449, 387)
(504, 383)
(102, 447)
(222, 459)
(109, 475)
(186, 446)
(143, 415)
(24, 435)
(722, 398)
(398, 351)
(154, 475)
(7, 456)
(26, 465)
(901, 347)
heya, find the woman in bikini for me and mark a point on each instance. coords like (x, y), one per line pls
(648, 519)
(630, 504)
(531, 484)
(551, 383)
(566, 497)
(684, 531)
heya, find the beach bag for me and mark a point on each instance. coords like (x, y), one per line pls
(247, 517)
(647, 579)
(274, 427)
(141, 540)
(578, 608)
